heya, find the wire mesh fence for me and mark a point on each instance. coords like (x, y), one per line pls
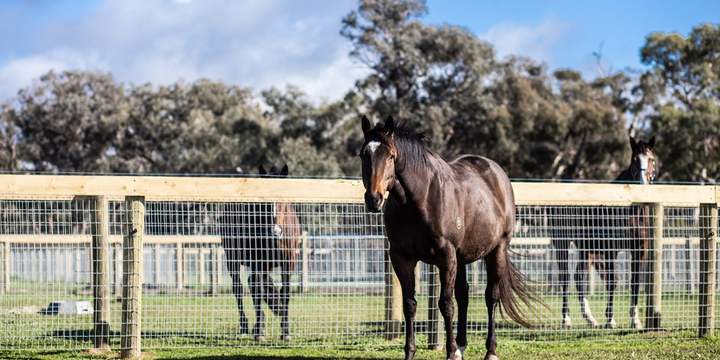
(265, 274)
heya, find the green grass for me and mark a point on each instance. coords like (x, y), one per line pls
(334, 326)
(648, 346)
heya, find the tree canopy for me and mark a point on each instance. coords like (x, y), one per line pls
(441, 80)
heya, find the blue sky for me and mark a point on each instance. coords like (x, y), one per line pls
(565, 33)
(262, 43)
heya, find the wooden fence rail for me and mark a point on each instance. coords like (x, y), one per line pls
(136, 190)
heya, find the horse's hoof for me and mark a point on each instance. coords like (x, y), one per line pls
(611, 324)
(635, 322)
(566, 322)
(491, 357)
(457, 355)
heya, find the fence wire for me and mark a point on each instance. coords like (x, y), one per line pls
(268, 274)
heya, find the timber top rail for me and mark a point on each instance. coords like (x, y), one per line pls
(217, 189)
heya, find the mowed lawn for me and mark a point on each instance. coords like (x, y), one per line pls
(192, 325)
(648, 346)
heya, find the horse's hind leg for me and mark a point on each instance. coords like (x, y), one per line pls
(492, 297)
(610, 286)
(257, 290)
(581, 273)
(561, 248)
(462, 297)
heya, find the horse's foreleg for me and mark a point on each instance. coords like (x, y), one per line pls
(238, 292)
(285, 303)
(635, 268)
(462, 297)
(448, 272)
(405, 271)
(257, 291)
(610, 286)
(581, 284)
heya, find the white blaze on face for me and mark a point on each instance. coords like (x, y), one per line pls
(373, 145)
(643, 167)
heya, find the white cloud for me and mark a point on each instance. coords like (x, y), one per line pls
(258, 43)
(19, 73)
(534, 41)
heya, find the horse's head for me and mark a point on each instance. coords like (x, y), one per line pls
(273, 217)
(378, 154)
(643, 161)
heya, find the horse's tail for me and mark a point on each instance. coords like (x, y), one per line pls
(515, 296)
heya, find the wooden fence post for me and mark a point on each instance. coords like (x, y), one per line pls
(393, 302)
(179, 266)
(156, 265)
(99, 222)
(433, 311)
(653, 290)
(201, 265)
(132, 278)
(5, 268)
(305, 270)
(418, 277)
(708, 268)
(689, 279)
(117, 269)
(215, 270)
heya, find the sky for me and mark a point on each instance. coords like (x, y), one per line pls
(264, 43)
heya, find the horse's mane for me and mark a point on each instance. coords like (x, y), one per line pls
(412, 145)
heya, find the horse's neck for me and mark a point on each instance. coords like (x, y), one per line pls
(415, 179)
(628, 175)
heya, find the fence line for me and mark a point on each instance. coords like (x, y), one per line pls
(133, 221)
(158, 188)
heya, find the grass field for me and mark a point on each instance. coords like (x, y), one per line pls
(647, 346)
(191, 325)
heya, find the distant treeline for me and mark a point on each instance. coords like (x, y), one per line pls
(441, 80)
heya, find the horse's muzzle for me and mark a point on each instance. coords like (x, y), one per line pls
(374, 202)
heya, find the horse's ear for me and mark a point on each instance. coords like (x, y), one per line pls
(389, 126)
(262, 170)
(284, 171)
(366, 126)
(633, 143)
(651, 144)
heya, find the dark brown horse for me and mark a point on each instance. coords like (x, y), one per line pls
(262, 236)
(600, 237)
(447, 215)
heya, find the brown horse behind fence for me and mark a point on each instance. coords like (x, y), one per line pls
(600, 238)
(448, 215)
(262, 236)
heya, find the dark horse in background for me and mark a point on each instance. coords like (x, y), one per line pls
(448, 215)
(262, 236)
(599, 239)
